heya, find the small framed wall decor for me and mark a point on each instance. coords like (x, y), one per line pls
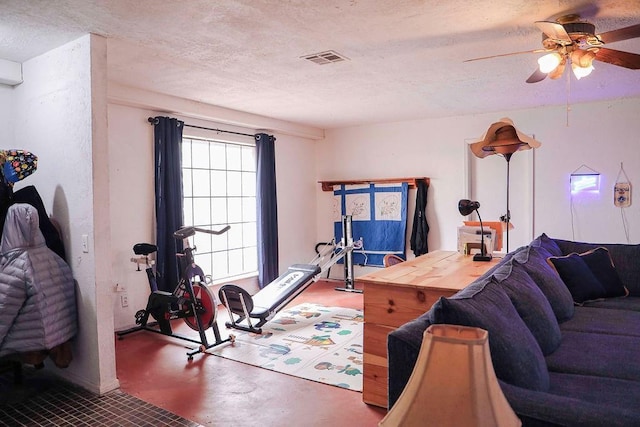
(622, 190)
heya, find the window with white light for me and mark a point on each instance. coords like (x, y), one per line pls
(219, 188)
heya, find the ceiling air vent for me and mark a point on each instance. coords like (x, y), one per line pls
(326, 57)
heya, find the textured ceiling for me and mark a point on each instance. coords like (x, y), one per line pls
(405, 57)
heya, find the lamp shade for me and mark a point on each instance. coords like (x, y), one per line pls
(549, 62)
(452, 384)
(466, 207)
(503, 137)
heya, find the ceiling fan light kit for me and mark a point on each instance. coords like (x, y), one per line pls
(571, 40)
(554, 63)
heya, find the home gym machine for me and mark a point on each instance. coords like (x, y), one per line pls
(347, 242)
(191, 300)
(263, 306)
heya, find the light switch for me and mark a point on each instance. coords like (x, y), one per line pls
(85, 243)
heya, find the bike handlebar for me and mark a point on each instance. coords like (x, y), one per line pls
(189, 231)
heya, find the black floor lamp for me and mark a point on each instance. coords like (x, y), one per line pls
(504, 139)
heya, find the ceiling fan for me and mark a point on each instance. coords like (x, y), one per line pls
(569, 40)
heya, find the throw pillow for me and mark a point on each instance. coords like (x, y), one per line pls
(516, 356)
(625, 258)
(601, 265)
(534, 261)
(531, 304)
(575, 273)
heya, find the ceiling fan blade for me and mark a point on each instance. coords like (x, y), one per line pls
(554, 31)
(537, 76)
(621, 34)
(506, 54)
(619, 58)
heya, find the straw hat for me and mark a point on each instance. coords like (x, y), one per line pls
(503, 138)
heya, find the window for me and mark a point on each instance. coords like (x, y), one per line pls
(219, 188)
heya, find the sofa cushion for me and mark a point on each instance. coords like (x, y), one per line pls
(531, 304)
(517, 357)
(604, 321)
(545, 242)
(577, 400)
(599, 262)
(580, 280)
(534, 261)
(628, 303)
(601, 355)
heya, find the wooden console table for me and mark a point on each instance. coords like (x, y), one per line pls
(400, 293)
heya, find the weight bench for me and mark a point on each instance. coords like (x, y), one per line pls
(269, 300)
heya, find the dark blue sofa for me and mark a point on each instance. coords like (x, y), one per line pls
(564, 339)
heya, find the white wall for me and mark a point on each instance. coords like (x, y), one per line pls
(6, 124)
(389, 150)
(131, 191)
(297, 212)
(132, 194)
(59, 113)
(600, 135)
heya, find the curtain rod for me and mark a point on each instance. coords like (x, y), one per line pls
(153, 121)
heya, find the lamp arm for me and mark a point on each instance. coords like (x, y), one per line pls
(483, 252)
(482, 256)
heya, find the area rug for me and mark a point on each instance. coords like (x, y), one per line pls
(309, 341)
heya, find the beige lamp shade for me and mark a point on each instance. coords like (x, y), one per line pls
(452, 384)
(504, 138)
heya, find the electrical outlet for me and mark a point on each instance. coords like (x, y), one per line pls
(124, 300)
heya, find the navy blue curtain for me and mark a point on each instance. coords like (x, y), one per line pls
(168, 185)
(267, 209)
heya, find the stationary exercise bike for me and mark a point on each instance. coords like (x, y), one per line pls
(191, 300)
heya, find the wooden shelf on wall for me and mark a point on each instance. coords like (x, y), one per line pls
(328, 185)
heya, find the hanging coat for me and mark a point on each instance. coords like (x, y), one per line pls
(419, 244)
(37, 290)
(49, 230)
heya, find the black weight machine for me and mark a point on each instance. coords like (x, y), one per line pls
(263, 306)
(191, 300)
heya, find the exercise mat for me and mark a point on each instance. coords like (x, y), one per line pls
(309, 341)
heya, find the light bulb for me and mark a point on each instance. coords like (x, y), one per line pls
(581, 72)
(549, 62)
(582, 62)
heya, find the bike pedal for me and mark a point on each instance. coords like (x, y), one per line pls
(140, 316)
